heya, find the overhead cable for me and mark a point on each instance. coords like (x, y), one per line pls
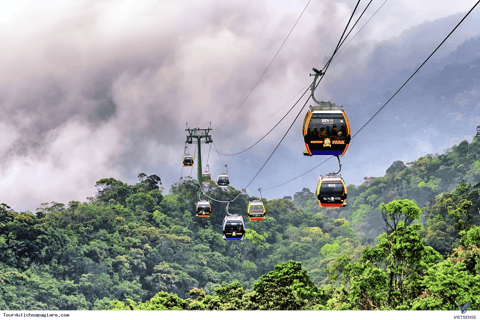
(339, 44)
(362, 26)
(418, 68)
(392, 95)
(233, 154)
(267, 66)
(326, 67)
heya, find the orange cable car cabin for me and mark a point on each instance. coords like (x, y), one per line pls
(326, 130)
(203, 209)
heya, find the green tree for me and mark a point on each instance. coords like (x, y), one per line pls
(287, 287)
(368, 286)
(463, 217)
(110, 188)
(144, 201)
(441, 237)
(254, 243)
(454, 281)
(330, 250)
(399, 210)
(142, 176)
(249, 267)
(406, 261)
(153, 182)
(161, 301)
(227, 297)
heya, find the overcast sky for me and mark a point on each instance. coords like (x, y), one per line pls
(99, 89)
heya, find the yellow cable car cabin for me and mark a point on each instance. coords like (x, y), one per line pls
(203, 209)
(233, 227)
(187, 160)
(256, 211)
(326, 130)
(331, 191)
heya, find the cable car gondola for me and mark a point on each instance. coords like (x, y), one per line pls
(223, 180)
(326, 130)
(233, 227)
(331, 191)
(187, 160)
(256, 210)
(203, 209)
(206, 175)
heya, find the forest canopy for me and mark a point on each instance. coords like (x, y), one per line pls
(407, 241)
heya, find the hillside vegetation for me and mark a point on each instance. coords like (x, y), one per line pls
(426, 181)
(409, 240)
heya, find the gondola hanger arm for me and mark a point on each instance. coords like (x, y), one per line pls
(317, 74)
(339, 166)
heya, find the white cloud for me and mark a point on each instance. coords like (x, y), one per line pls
(461, 100)
(456, 141)
(9, 134)
(477, 107)
(396, 17)
(457, 116)
(475, 120)
(159, 64)
(76, 157)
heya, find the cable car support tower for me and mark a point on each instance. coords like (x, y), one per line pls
(197, 133)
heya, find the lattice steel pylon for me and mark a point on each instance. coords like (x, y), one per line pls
(197, 133)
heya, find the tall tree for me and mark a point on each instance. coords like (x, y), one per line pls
(406, 260)
(153, 182)
(399, 210)
(110, 188)
(287, 287)
(454, 281)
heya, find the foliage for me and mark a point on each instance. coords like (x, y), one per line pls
(405, 260)
(453, 281)
(400, 210)
(287, 287)
(132, 247)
